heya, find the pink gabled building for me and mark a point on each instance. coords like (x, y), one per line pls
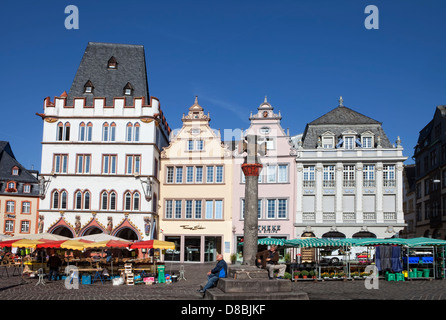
(276, 180)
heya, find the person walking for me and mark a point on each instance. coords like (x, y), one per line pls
(54, 264)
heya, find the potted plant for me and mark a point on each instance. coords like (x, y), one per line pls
(313, 274)
(233, 258)
(296, 275)
(332, 275)
(325, 275)
(304, 274)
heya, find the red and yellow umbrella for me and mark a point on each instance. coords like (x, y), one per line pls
(65, 244)
(21, 243)
(108, 244)
(153, 244)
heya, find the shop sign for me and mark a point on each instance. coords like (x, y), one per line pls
(269, 229)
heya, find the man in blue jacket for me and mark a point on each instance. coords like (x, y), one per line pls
(220, 271)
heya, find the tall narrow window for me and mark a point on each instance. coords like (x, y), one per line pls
(133, 164)
(26, 207)
(349, 176)
(109, 163)
(104, 200)
(283, 173)
(168, 213)
(189, 174)
(113, 132)
(209, 209)
(169, 175)
(55, 201)
(136, 132)
(82, 132)
(309, 176)
(210, 174)
(189, 209)
(349, 142)
(127, 201)
(369, 175)
(271, 213)
(218, 209)
(87, 200)
(329, 176)
(136, 201)
(128, 133)
(113, 201)
(178, 209)
(67, 131)
(281, 208)
(198, 209)
(179, 175)
(78, 198)
(60, 131)
(271, 173)
(89, 131)
(63, 199)
(219, 174)
(198, 174)
(105, 129)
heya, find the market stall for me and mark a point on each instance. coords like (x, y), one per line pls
(393, 257)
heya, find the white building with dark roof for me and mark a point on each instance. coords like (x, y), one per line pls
(101, 148)
(349, 178)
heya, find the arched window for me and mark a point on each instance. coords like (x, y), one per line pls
(105, 132)
(87, 200)
(136, 132)
(60, 131)
(104, 200)
(55, 200)
(67, 131)
(89, 131)
(127, 201)
(63, 200)
(82, 131)
(136, 201)
(78, 197)
(113, 200)
(113, 131)
(128, 133)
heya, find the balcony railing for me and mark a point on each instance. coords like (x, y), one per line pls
(369, 216)
(369, 183)
(329, 183)
(349, 183)
(328, 216)
(309, 183)
(390, 216)
(308, 216)
(389, 183)
(349, 217)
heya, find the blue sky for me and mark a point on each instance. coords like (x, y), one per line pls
(303, 55)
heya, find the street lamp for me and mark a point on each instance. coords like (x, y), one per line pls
(146, 184)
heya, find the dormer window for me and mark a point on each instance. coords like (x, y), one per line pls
(15, 171)
(88, 87)
(112, 63)
(128, 89)
(349, 142)
(11, 186)
(367, 140)
(327, 140)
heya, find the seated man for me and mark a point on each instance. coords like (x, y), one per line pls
(268, 260)
(220, 271)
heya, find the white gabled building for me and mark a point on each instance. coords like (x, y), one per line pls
(101, 148)
(349, 178)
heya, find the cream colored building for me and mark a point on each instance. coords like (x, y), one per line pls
(196, 192)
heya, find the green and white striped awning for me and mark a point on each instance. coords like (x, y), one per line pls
(271, 241)
(349, 242)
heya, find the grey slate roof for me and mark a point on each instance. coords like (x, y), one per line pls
(340, 120)
(110, 83)
(7, 162)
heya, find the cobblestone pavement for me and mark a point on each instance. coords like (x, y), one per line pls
(13, 288)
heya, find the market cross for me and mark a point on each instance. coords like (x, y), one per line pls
(251, 169)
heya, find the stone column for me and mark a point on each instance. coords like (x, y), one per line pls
(251, 169)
